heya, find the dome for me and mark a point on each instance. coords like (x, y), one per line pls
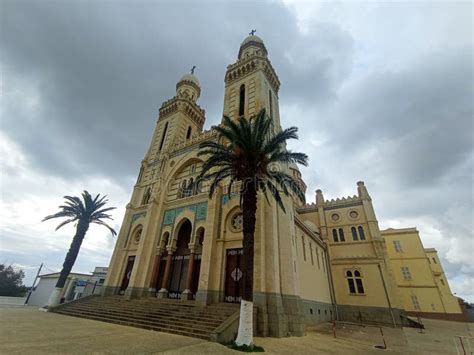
(252, 38)
(252, 41)
(190, 77)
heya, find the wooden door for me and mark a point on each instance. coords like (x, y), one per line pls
(128, 273)
(196, 272)
(233, 276)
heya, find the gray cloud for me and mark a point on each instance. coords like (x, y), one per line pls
(382, 102)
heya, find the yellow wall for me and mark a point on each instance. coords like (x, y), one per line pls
(425, 272)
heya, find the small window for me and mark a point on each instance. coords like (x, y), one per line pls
(163, 137)
(270, 103)
(242, 100)
(192, 169)
(341, 235)
(311, 252)
(361, 233)
(415, 302)
(317, 257)
(442, 282)
(354, 233)
(334, 235)
(406, 273)
(354, 281)
(146, 196)
(310, 311)
(304, 247)
(188, 133)
(434, 260)
(398, 246)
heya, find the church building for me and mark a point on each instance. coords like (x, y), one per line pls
(316, 262)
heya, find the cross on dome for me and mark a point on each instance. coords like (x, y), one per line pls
(252, 32)
(192, 69)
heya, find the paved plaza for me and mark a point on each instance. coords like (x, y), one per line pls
(25, 330)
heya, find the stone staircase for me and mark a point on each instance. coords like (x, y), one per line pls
(172, 316)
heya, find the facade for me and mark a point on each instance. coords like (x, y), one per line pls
(421, 282)
(312, 263)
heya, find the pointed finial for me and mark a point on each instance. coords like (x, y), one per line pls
(252, 32)
(192, 69)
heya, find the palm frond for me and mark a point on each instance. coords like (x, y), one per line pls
(105, 225)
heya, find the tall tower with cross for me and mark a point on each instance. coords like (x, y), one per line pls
(251, 83)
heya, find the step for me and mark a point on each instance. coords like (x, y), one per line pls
(204, 336)
(172, 316)
(167, 320)
(124, 320)
(203, 316)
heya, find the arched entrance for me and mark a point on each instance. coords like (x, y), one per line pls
(179, 266)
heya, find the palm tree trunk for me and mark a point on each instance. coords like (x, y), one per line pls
(249, 207)
(71, 257)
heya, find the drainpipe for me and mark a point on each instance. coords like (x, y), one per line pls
(386, 295)
(331, 284)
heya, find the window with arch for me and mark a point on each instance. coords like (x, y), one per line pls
(304, 247)
(188, 190)
(354, 281)
(242, 100)
(354, 233)
(341, 235)
(140, 174)
(188, 133)
(270, 102)
(361, 233)
(146, 196)
(334, 235)
(163, 136)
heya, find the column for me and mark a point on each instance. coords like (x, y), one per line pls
(163, 292)
(155, 272)
(187, 294)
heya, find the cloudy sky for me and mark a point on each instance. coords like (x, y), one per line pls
(382, 92)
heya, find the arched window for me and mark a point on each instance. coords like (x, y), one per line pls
(354, 281)
(270, 103)
(140, 174)
(361, 233)
(188, 134)
(182, 189)
(146, 196)
(341, 235)
(354, 233)
(163, 135)
(242, 100)
(304, 247)
(188, 189)
(334, 235)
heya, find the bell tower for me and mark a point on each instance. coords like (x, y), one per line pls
(251, 83)
(180, 118)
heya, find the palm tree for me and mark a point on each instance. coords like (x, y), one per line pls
(83, 212)
(248, 152)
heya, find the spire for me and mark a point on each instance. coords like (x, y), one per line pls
(319, 197)
(362, 191)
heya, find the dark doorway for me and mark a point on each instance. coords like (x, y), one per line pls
(179, 266)
(128, 273)
(233, 276)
